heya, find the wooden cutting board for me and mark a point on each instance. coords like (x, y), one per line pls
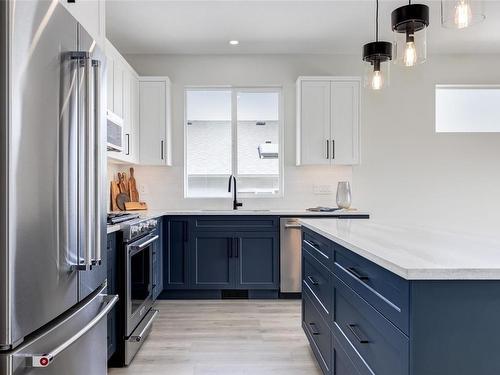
(115, 190)
(125, 184)
(132, 187)
(134, 206)
(121, 183)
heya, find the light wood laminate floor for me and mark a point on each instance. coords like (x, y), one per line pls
(225, 337)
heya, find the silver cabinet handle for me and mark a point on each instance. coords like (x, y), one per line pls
(140, 336)
(96, 65)
(44, 360)
(293, 226)
(327, 149)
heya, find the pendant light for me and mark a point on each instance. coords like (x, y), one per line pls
(409, 24)
(377, 54)
(459, 14)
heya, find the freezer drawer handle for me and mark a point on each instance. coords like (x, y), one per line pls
(44, 360)
(139, 337)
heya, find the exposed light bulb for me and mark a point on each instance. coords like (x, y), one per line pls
(410, 56)
(463, 14)
(377, 80)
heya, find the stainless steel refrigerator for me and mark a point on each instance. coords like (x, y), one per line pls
(53, 301)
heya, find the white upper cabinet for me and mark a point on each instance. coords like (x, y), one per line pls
(328, 120)
(345, 122)
(91, 15)
(123, 101)
(155, 121)
(314, 114)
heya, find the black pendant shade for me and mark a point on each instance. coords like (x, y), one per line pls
(377, 52)
(414, 16)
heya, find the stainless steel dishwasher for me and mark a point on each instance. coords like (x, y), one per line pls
(290, 256)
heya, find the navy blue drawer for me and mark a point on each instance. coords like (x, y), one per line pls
(236, 223)
(318, 333)
(347, 364)
(383, 347)
(319, 247)
(318, 281)
(384, 290)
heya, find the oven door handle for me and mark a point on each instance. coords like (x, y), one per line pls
(142, 245)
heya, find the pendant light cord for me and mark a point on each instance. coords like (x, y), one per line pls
(376, 23)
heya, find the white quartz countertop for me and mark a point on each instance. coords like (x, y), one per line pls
(241, 212)
(298, 213)
(415, 253)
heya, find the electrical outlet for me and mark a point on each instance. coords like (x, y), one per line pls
(143, 189)
(322, 189)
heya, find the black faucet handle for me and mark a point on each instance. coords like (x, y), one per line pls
(238, 204)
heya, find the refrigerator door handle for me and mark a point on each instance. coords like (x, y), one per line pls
(44, 360)
(96, 65)
(83, 59)
(89, 166)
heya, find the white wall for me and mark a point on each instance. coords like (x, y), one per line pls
(408, 172)
(165, 185)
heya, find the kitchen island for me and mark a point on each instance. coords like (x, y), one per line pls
(388, 299)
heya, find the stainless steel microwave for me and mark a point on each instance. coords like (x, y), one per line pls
(115, 132)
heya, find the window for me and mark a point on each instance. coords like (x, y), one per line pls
(467, 109)
(233, 131)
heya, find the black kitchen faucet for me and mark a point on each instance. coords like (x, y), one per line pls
(236, 204)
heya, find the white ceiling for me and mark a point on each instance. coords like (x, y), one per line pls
(308, 26)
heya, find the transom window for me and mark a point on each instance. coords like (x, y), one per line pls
(467, 108)
(234, 131)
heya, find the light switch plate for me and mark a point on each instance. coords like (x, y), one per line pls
(322, 189)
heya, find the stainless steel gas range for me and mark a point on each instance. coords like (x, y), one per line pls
(139, 239)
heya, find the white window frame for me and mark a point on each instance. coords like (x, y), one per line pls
(234, 136)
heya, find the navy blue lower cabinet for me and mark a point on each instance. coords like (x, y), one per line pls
(318, 333)
(206, 255)
(211, 261)
(383, 347)
(345, 364)
(176, 252)
(382, 324)
(257, 260)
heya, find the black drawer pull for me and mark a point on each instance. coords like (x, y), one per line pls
(357, 334)
(314, 331)
(316, 247)
(357, 274)
(313, 282)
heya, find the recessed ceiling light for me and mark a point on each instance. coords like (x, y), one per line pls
(234, 42)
